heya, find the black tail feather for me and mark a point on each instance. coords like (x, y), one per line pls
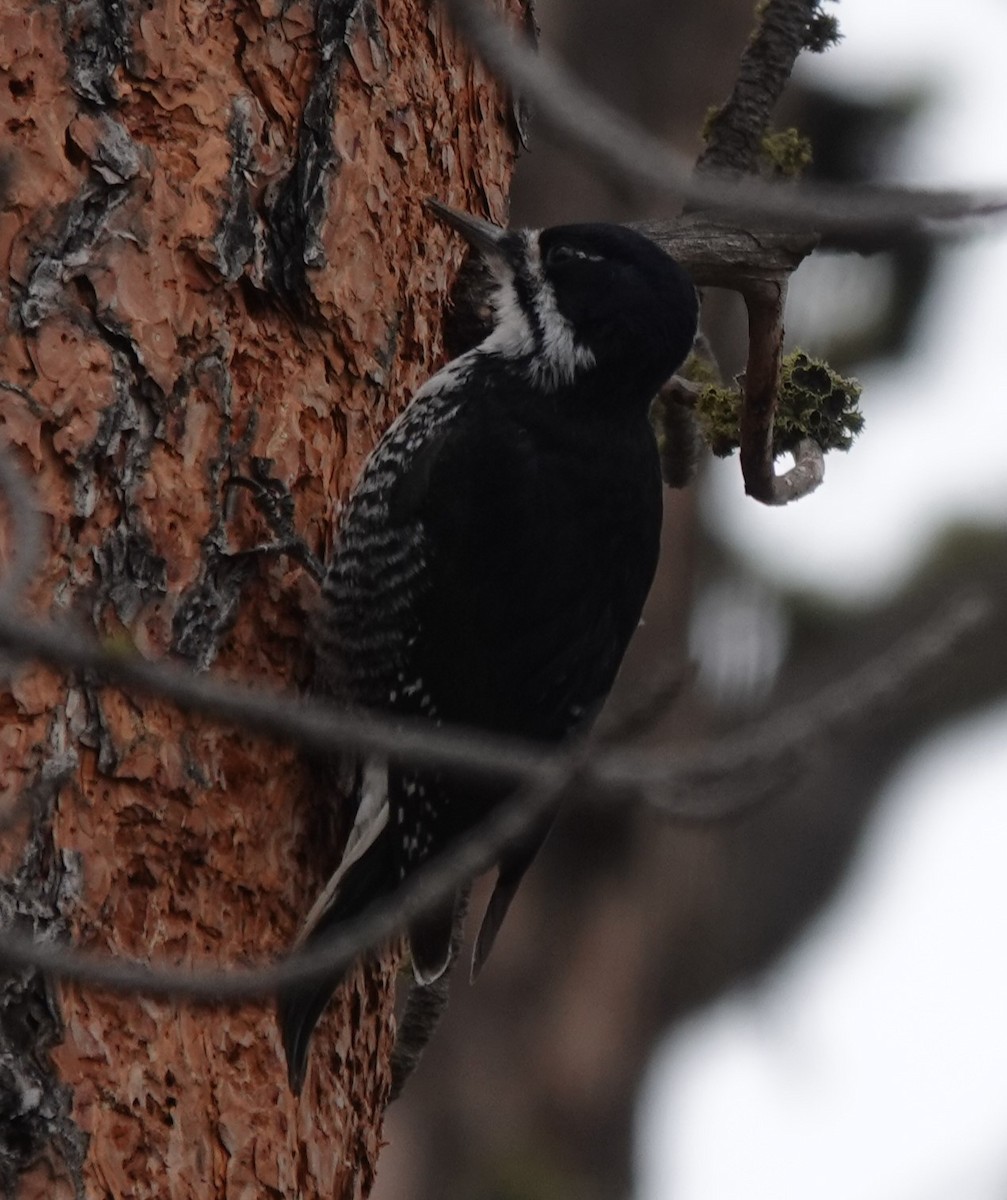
(496, 910)
(512, 868)
(299, 1013)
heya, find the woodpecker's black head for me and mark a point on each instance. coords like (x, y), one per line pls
(583, 303)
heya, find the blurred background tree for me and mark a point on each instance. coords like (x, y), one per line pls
(627, 924)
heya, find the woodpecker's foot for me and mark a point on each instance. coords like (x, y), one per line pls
(275, 504)
(423, 1008)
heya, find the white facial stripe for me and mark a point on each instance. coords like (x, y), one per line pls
(560, 357)
(547, 343)
(512, 335)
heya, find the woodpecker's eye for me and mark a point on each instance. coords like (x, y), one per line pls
(561, 253)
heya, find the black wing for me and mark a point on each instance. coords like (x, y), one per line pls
(542, 541)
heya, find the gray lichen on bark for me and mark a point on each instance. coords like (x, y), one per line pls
(35, 899)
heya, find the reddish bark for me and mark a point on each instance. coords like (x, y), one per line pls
(213, 251)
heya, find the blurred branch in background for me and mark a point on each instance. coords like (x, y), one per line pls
(719, 782)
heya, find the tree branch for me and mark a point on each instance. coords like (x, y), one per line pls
(716, 782)
(720, 255)
(325, 728)
(735, 132)
(619, 148)
(702, 786)
(465, 857)
(765, 302)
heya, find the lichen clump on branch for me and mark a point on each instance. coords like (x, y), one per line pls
(813, 401)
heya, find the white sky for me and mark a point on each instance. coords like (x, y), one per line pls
(872, 1064)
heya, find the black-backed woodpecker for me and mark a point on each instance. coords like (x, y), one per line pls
(493, 560)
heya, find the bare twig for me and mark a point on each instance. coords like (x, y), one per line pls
(328, 729)
(719, 255)
(39, 794)
(622, 723)
(466, 857)
(315, 725)
(765, 302)
(728, 778)
(804, 476)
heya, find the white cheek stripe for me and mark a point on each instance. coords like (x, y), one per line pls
(512, 335)
(555, 358)
(562, 358)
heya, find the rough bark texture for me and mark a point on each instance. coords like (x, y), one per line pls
(214, 263)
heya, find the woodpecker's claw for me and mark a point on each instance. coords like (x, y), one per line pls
(276, 505)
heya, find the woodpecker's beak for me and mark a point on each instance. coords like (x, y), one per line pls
(483, 235)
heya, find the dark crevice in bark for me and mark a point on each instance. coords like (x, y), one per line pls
(298, 206)
(207, 609)
(131, 572)
(240, 239)
(35, 899)
(94, 731)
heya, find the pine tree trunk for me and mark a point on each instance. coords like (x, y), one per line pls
(215, 264)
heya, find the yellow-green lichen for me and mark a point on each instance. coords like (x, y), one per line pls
(710, 118)
(699, 368)
(785, 153)
(813, 402)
